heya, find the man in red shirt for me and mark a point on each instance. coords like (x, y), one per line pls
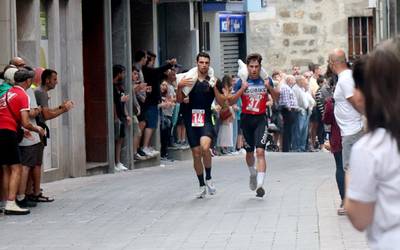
(14, 112)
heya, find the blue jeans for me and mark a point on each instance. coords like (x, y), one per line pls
(300, 132)
(304, 121)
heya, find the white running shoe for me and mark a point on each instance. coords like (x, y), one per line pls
(202, 192)
(153, 151)
(117, 169)
(148, 152)
(121, 166)
(253, 182)
(210, 187)
(13, 209)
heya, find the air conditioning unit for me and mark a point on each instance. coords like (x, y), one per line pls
(372, 3)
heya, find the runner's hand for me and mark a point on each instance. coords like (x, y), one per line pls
(186, 82)
(245, 85)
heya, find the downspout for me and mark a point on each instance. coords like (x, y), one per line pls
(109, 87)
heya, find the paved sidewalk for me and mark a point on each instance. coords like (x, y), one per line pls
(154, 208)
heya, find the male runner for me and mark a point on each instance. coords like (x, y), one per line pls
(197, 118)
(254, 94)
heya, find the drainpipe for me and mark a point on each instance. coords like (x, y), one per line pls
(13, 26)
(128, 63)
(201, 28)
(109, 87)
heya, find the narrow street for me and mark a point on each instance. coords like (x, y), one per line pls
(155, 208)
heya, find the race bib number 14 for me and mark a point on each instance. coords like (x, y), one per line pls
(198, 116)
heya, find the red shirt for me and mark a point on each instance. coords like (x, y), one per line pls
(254, 98)
(18, 101)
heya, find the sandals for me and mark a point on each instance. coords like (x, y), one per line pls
(40, 198)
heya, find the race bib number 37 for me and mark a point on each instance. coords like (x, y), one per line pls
(198, 116)
(253, 103)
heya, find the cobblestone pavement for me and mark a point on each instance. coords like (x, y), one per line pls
(154, 208)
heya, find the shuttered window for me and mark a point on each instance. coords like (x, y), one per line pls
(361, 36)
(229, 54)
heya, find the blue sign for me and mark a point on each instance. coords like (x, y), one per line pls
(232, 23)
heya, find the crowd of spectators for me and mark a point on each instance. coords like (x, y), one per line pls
(24, 110)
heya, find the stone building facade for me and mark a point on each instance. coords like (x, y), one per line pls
(298, 32)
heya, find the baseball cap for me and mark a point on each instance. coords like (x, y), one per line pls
(22, 75)
(9, 75)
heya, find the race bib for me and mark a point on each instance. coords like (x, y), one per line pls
(253, 103)
(198, 116)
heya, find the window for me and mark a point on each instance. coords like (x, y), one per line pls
(44, 25)
(361, 36)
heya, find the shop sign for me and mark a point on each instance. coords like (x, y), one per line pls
(232, 23)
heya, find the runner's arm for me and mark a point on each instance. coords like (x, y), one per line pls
(185, 82)
(234, 98)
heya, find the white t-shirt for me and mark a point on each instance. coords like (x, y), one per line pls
(347, 117)
(375, 177)
(34, 138)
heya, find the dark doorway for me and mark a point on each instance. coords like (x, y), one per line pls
(94, 81)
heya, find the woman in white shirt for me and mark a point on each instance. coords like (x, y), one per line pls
(373, 194)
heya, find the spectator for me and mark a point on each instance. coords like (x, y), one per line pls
(226, 118)
(29, 148)
(121, 117)
(335, 142)
(288, 107)
(153, 77)
(138, 98)
(167, 107)
(49, 82)
(373, 194)
(295, 70)
(347, 117)
(300, 122)
(140, 61)
(14, 112)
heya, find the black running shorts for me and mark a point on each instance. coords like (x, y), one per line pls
(9, 153)
(254, 128)
(195, 133)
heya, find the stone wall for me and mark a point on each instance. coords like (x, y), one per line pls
(297, 32)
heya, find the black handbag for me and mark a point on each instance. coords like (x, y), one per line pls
(20, 131)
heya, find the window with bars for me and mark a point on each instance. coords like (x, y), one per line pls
(361, 36)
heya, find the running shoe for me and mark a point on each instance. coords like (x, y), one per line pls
(253, 182)
(148, 152)
(260, 192)
(138, 157)
(121, 166)
(202, 192)
(210, 187)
